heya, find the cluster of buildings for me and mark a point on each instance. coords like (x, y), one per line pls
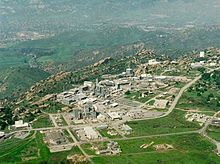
(58, 119)
(216, 122)
(200, 118)
(135, 114)
(91, 99)
(204, 59)
(88, 133)
(126, 129)
(153, 62)
(103, 101)
(56, 137)
(112, 148)
(87, 112)
(57, 141)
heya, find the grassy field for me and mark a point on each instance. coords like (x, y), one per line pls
(87, 149)
(67, 135)
(151, 102)
(11, 145)
(42, 121)
(191, 73)
(64, 123)
(53, 107)
(105, 134)
(32, 150)
(187, 149)
(211, 113)
(175, 122)
(214, 132)
(137, 96)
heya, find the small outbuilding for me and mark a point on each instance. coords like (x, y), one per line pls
(114, 115)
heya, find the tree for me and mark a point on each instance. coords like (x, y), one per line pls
(199, 94)
(128, 92)
(201, 69)
(206, 76)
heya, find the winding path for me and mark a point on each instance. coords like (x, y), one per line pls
(204, 133)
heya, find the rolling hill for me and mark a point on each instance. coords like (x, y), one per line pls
(14, 81)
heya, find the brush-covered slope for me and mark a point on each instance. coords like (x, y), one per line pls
(13, 81)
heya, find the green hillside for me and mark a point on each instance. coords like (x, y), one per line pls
(73, 50)
(14, 81)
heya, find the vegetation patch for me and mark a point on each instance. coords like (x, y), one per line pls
(175, 122)
(105, 133)
(42, 122)
(214, 132)
(32, 150)
(204, 94)
(137, 96)
(186, 149)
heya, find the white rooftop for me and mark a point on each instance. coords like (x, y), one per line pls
(114, 104)
(20, 124)
(114, 115)
(2, 134)
(91, 133)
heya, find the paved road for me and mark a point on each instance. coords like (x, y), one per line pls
(59, 127)
(53, 120)
(175, 101)
(79, 146)
(140, 137)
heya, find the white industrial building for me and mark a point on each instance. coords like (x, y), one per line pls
(114, 105)
(21, 124)
(88, 83)
(101, 117)
(197, 65)
(90, 133)
(153, 62)
(126, 128)
(202, 54)
(114, 115)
